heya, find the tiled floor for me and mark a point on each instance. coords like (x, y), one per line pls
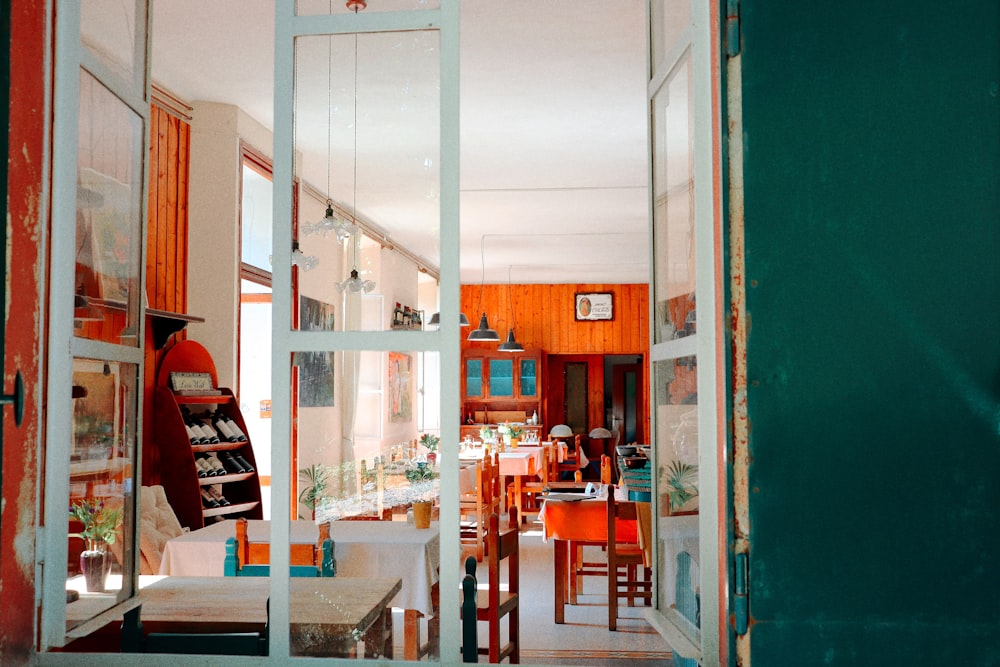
(584, 639)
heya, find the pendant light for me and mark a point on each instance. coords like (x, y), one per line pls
(331, 222)
(510, 345)
(483, 331)
(435, 320)
(355, 284)
(302, 260)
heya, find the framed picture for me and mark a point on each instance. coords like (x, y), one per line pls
(400, 393)
(316, 383)
(594, 306)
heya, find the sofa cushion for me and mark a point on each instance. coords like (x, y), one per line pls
(157, 524)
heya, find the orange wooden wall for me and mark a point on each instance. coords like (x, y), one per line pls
(544, 317)
(166, 251)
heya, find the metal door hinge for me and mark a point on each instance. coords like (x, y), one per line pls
(732, 28)
(16, 399)
(741, 594)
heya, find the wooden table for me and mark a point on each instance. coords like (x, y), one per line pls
(326, 614)
(581, 522)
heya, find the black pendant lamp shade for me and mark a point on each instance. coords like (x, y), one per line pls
(510, 345)
(435, 320)
(483, 332)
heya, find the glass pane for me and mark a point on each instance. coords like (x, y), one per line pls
(108, 217)
(314, 7)
(676, 392)
(365, 472)
(529, 377)
(102, 463)
(349, 116)
(109, 29)
(673, 213)
(668, 20)
(255, 371)
(501, 378)
(474, 378)
(256, 213)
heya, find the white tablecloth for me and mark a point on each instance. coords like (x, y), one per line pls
(362, 549)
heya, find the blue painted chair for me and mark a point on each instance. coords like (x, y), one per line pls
(327, 567)
(209, 643)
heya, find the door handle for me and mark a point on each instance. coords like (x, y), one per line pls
(16, 399)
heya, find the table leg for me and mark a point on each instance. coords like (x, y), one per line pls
(378, 637)
(560, 550)
(518, 500)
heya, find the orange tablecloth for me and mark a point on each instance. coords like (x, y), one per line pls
(582, 521)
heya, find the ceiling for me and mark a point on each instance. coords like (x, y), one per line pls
(553, 126)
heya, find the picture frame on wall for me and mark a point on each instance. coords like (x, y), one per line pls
(594, 306)
(316, 378)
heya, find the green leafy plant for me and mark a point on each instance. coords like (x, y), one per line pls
(510, 430)
(486, 433)
(679, 482)
(100, 523)
(419, 473)
(316, 477)
(430, 441)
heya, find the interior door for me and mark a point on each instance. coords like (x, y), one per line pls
(627, 402)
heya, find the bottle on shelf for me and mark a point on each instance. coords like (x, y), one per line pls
(203, 469)
(208, 501)
(230, 463)
(216, 464)
(216, 495)
(243, 462)
(213, 437)
(222, 426)
(234, 427)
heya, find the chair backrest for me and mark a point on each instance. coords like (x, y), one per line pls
(231, 566)
(644, 527)
(605, 469)
(259, 553)
(503, 546)
(210, 643)
(624, 510)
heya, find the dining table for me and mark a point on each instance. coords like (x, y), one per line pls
(395, 549)
(577, 520)
(516, 465)
(327, 615)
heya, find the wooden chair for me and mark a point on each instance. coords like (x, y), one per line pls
(210, 643)
(606, 470)
(476, 507)
(494, 604)
(232, 567)
(468, 613)
(624, 560)
(259, 553)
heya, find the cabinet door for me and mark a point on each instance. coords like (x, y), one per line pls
(501, 378)
(473, 378)
(528, 377)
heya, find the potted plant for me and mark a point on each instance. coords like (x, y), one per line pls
(316, 479)
(431, 442)
(486, 434)
(511, 433)
(678, 482)
(100, 529)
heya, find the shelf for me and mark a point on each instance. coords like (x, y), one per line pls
(165, 324)
(222, 479)
(201, 399)
(235, 508)
(217, 447)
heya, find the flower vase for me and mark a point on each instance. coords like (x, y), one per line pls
(514, 442)
(95, 566)
(432, 457)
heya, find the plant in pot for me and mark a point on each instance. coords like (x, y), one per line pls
(316, 479)
(511, 433)
(679, 481)
(100, 529)
(431, 442)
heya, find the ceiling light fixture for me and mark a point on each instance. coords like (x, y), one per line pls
(331, 222)
(483, 331)
(302, 260)
(510, 345)
(355, 283)
(435, 320)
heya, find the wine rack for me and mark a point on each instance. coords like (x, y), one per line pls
(179, 469)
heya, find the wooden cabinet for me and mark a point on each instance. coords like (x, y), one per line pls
(501, 382)
(178, 466)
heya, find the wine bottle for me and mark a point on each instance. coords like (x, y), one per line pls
(217, 496)
(205, 465)
(202, 470)
(196, 429)
(216, 464)
(207, 429)
(219, 420)
(243, 462)
(192, 438)
(207, 500)
(231, 464)
(234, 427)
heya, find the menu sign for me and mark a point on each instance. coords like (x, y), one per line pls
(595, 306)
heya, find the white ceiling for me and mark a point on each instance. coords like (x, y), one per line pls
(553, 126)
